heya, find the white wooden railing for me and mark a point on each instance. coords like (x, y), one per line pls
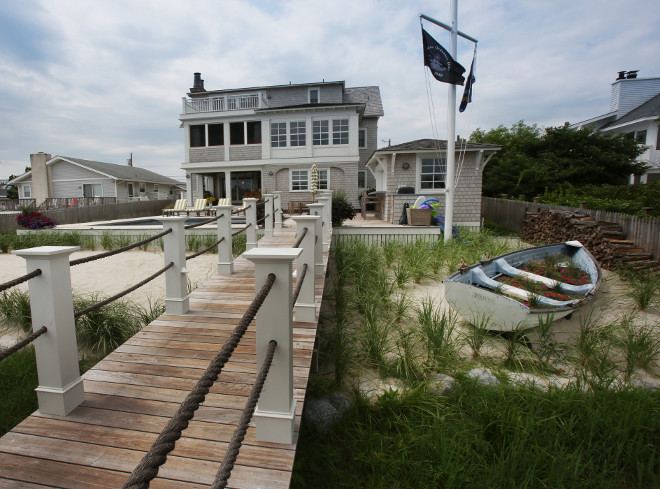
(225, 102)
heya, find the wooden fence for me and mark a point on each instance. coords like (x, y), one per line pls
(509, 214)
(93, 213)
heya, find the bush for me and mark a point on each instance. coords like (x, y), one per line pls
(341, 208)
(31, 219)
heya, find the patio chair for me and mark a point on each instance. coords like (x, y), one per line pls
(198, 208)
(179, 206)
(226, 201)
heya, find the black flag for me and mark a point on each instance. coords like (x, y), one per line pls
(440, 62)
(472, 79)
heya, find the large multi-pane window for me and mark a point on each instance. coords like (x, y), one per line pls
(324, 179)
(362, 179)
(297, 131)
(197, 136)
(299, 180)
(216, 135)
(432, 173)
(278, 134)
(320, 133)
(340, 131)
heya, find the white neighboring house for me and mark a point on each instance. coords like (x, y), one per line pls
(248, 141)
(635, 112)
(63, 177)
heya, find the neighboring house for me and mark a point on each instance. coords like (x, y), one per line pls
(406, 171)
(266, 139)
(62, 177)
(635, 112)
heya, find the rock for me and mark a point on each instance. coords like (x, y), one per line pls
(440, 384)
(644, 384)
(372, 389)
(483, 377)
(322, 413)
(520, 378)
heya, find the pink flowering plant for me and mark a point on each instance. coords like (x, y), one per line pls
(31, 219)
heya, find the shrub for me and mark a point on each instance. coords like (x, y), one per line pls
(341, 208)
(31, 219)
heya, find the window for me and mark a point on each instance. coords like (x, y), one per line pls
(131, 192)
(197, 136)
(278, 134)
(171, 190)
(299, 180)
(324, 179)
(320, 133)
(27, 191)
(156, 187)
(362, 179)
(92, 190)
(314, 95)
(432, 173)
(143, 188)
(253, 132)
(340, 131)
(640, 137)
(297, 130)
(362, 138)
(236, 133)
(657, 139)
(216, 135)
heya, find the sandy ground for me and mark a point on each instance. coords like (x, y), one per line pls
(113, 274)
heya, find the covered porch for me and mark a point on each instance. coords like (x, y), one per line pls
(232, 184)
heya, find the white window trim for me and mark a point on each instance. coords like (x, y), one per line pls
(364, 172)
(365, 137)
(82, 188)
(286, 133)
(291, 170)
(290, 133)
(309, 94)
(28, 187)
(331, 132)
(418, 174)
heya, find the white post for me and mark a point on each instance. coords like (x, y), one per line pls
(326, 200)
(225, 257)
(176, 277)
(278, 209)
(268, 213)
(60, 388)
(451, 131)
(317, 210)
(275, 413)
(250, 218)
(305, 307)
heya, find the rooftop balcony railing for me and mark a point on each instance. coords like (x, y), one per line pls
(224, 102)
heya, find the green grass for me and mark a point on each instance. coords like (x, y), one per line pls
(480, 437)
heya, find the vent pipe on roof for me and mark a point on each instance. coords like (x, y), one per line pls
(198, 84)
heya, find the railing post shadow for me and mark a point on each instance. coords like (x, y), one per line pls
(305, 307)
(317, 210)
(277, 204)
(250, 218)
(268, 212)
(60, 388)
(225, 257)
(275, 413)
(176, 278)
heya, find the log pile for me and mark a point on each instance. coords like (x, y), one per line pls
(604, 240)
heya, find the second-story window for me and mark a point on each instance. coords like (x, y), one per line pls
(216, 135)
(362, 138)
(340, 131)
(237, 133)
(278, 134)
(297, 130)
(197, 136)
(314, 95)
(253, 130)
(320, 133)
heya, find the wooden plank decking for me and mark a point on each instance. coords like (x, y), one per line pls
(132, 393)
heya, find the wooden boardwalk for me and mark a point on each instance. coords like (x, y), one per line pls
(131, 395)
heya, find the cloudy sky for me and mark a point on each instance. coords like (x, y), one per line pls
(99, 79)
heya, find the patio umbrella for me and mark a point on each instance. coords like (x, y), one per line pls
(314, 184)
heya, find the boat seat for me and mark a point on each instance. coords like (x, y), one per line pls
(502, 266)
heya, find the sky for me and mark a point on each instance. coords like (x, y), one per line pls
(100, 79)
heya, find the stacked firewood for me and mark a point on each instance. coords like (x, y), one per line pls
(605, 241)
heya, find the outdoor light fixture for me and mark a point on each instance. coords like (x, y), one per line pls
(405, 165)
(270, 173)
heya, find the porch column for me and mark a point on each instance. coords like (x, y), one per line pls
(228, 185)
(189, 179)
(317, 210)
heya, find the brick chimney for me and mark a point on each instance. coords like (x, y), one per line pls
(42, 183)
(198, 84)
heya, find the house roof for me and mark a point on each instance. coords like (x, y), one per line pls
(369, 96)
(111, 170)
(648, 109)
(435, 144)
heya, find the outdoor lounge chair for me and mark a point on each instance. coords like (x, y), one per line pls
(226, 201)
(179, 206)
(198, 208)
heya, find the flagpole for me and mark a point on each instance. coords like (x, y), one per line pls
(451, 130)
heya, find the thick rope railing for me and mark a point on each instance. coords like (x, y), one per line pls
(195, 255)
(207, 221)
(228, 461)
(107, 301)
(299, 283)
(261, 204)
(20, 280)
(300, 238)
(98, 256)
(241, 209)
(21, 344)
(241, 230)
(147, 469)
(263, 219)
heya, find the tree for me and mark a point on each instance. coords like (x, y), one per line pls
(533, 160)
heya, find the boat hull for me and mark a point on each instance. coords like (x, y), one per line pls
(478, 304)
